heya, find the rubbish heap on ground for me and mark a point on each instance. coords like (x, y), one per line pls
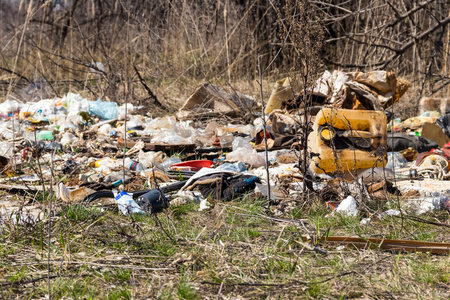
(88, 151)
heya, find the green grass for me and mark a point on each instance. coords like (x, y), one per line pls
(232, 249)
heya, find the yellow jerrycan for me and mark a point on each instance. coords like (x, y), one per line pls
(348, 140)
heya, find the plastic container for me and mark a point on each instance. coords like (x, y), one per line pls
(103, 109)
(191, 165)
(333, 128)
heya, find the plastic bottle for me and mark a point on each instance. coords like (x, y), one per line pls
(132, 165)
(406, 174)
(171, 161)
(116, 178)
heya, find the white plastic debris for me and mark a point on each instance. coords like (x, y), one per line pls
(390, 212)
(148, 158)
(243, 151)
(6, 149)
(204, 205)
(348, 207)
(67, 139)
(365, 221)
(427, 204)
(127, 204)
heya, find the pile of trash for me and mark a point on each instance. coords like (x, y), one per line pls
(94, 150)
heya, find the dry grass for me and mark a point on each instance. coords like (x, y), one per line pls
(232, 251)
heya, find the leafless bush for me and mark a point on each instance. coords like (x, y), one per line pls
(94, 47)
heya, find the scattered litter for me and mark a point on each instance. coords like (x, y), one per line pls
(214, 149)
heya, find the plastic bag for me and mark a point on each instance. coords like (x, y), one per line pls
(103, 109)
(148, 158)
(444, 123)
(8, 107)
(75, 103)
(244, 152)
(237, 167)
(395, 160)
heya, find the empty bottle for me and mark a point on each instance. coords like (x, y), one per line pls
(135, 166)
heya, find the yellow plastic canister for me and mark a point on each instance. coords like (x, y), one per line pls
(366, 124)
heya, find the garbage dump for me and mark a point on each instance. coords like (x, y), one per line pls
(102, 151)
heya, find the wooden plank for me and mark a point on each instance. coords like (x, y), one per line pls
(24, 187)
(396, 245)
(157, 146)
